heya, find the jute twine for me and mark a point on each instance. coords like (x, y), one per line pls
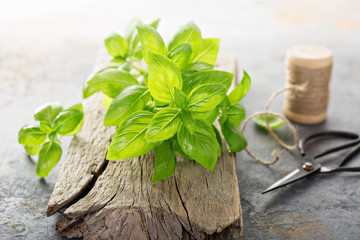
(307, 94)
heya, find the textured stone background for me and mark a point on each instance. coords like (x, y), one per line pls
(47, 50)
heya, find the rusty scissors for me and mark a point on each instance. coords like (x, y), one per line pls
(310, 167)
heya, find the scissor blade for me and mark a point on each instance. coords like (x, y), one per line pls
(294, 176)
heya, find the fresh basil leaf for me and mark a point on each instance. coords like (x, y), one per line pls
(218, 138)
(150, 40)
(118, 60)
(164, 125)
(236, 114)
(80, 108)
(225, 103)
(32, 150)
(112, 81)
(46, 127)
(180, 98)
(48, 112)
(235, 139)
(181, 55)
(129, 139)
(67, 121)
(31, 135)
(155, 23)
(177, 148)
(88, 90)
(205, 50)
(126, 66)
(274, 122)
(49, 155)
(163, 76)
(240, 90)
(209, 116)
(188, 121)
(187, 33)
(201, 146)
(130, 30)
(207, 77)
(223, 117)
(165, 161)
(106, 101)
(116, 45)
(131, 99)
(206, 97)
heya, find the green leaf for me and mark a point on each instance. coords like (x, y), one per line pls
(31, 135)
(201, 146)
(80, 108)
(32, 150)
(205, 50)
(118, 60)
(150, 40)
(126, 66)
(240, 90)
(181, 55)
(129, 139)
(206, 97)
(234, 137)
(165, 161)
(130, 100)
(46, 127)
(116, 45)
(218, 138)
(188, 120)
(207, 77)
(163, 77)
(88, 90)
(274, 122)
(177, 148)
(112, 81)
(49, 155)
(155, 23)
(209, 116)
(180, 98)
(164, 125)
(130, 30)
(236, 114)
(68, 121)
(187, 33)
(106, 101)
(48, 112)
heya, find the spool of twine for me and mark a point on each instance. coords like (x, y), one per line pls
(308, 75)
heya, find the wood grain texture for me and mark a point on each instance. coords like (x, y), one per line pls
(195, 203)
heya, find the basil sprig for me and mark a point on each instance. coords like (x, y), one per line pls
(43, 139)
(170, 107)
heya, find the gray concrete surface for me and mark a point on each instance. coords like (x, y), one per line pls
(47, 50)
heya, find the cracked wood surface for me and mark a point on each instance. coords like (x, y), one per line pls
(122, 203)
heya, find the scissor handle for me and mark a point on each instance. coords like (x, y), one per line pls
(341, 134)
(348, 156)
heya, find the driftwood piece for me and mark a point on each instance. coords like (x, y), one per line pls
(117, 201)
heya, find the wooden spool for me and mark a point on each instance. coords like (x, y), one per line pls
(115, 199)
(308, 73)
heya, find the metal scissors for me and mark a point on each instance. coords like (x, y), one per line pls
(310, 167)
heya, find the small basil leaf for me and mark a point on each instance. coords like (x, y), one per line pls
(163, 76)
(118, 60)
(165, 161)
(80, 108)
(218, 137)
(106, 101)
(131, 99)
(49, 155)
(205, 50)
(116, 45)
(177, 148)
(180, 98)
(181, 55)
(88, 90)
(209, 116)
(240, 90)
(46, 127)
(207, 77)
(126, 66)
(187, 33)
(201, 146)
(195, 67)
(164, 125)
(53, 137)
(130, 30)
(188, 121)
(48, 112)
(155, 23)
(129, 139)
(150, 40)
(225, 102)
(206, 97)
(112, 81)
(30, 135)
(67, 121)
(274, 122)
(236, 114)
(235, 139)
(32, 150)
(223, 116)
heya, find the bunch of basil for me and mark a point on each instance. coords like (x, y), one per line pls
(171, 107)
(54, 121)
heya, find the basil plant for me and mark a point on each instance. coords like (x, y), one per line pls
(170, 105)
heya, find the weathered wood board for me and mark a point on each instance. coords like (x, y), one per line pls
(115, 199)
